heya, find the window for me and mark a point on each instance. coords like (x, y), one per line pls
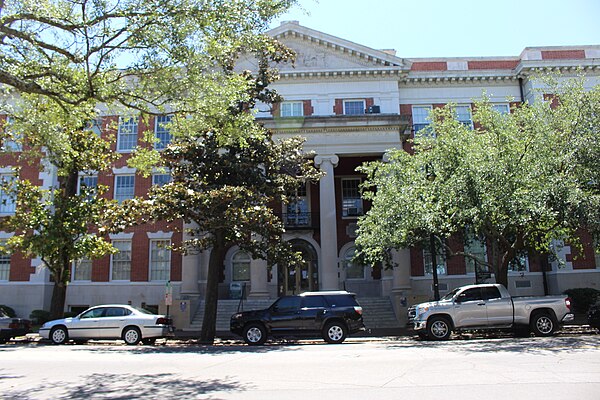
(121, 261)
(7, 199)
(82, 270)
(288, 303)
(518, 264)
(354, 270)
(463, 115)
(490, 292)
(160, 260)
(297, 209)
(95, 313)
(470, 295)
(4, 263)
(291, 109)
(88, 183)
(501, 108)
(351, 201)
(420, 117)
(161, 179)
(124, 187)
(440, 259)
(162, 131)
(13, 140)
(313, 302)
(116, 312)
(354, 107)
(240, 267)
(476, 247)
(127, 134)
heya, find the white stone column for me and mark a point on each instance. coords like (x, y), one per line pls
(401, 288)
(328, 267)
(258, 279)
(190, 270)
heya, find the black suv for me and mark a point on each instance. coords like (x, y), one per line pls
(331, 315)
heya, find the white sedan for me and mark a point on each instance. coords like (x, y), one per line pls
(111, 321)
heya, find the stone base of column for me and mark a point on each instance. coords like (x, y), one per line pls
(400, 297)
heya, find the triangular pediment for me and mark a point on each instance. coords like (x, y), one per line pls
(319, 53)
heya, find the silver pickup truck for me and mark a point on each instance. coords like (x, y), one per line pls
(488, 306)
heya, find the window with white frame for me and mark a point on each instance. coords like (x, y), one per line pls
(440, 260)
(463, 115)
(124, 187)
(475, 247)
(121, 261)
(519, 264)
(354, 270)
(13, 140)
(89, 184)
(82, 270)
(7, 199)
(162, 131)
(501, 108)
(4, 263)
(161, 179)
(291, 109)
(160, 260)
(127, 134)
(354, 107)
(240, 266)
(420, 117)
(352, 205)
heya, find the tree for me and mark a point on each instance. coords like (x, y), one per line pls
(62, 61)
(520, 180)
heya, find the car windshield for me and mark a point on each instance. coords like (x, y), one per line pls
(450, 295)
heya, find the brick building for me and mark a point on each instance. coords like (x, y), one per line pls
(352, 103)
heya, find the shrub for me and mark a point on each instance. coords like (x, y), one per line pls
(8, 311)
(582, 298)
(39, 317)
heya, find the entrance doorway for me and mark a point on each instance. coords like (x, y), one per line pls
(302, 278)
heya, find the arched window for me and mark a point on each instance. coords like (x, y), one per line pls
(240, 267)
(354, 270)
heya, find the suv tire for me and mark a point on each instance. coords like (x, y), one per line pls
(334, 332)
(543, 324)
(255, 334)
(438, 328)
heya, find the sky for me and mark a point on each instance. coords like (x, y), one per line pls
(453, 28)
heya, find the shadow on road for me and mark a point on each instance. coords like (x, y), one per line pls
(118, 386)
(509, 344)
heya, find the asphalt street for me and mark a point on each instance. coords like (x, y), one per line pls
(562, 367)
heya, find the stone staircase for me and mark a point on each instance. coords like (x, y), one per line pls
(377, 313)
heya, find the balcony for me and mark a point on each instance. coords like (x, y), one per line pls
(300, 220)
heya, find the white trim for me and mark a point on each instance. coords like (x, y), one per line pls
(124, 171)
(159, 235)
(121, 236)
(8, 170)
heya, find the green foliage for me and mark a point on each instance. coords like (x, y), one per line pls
(583, 298)
(519, 180)
(8, 310)
(39, 317)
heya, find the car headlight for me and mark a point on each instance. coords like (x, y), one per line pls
(236, 316)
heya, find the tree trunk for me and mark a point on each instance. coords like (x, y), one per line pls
(499, 260)
(207, 334)
(57, 304)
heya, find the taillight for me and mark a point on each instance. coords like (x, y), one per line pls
(163, 321)
(358, 310)
(568, 303)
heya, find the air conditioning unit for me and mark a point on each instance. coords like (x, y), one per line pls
(374, 110)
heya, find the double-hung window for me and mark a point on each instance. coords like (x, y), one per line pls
(7, 199)
(82, 270)
(501, 108)
(89, 185)
(354, 107)
(354, 270)
(240, 266)
(4, 263)
(420, 116)
(352, 205)
(475, 247)
(160, 260)
(161, 179)
(121, 261)
(162, 131)
(291, 109)
(127, 134)
(124, 187)
(440, 260)
(463, 115)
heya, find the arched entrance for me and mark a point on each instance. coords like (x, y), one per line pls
(299, 279)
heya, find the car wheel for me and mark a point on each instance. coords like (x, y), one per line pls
(149, 341)
(255, 334)
(334, 332)
(59, 335)
(438, 328)
(542, 324)
(132, 335)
